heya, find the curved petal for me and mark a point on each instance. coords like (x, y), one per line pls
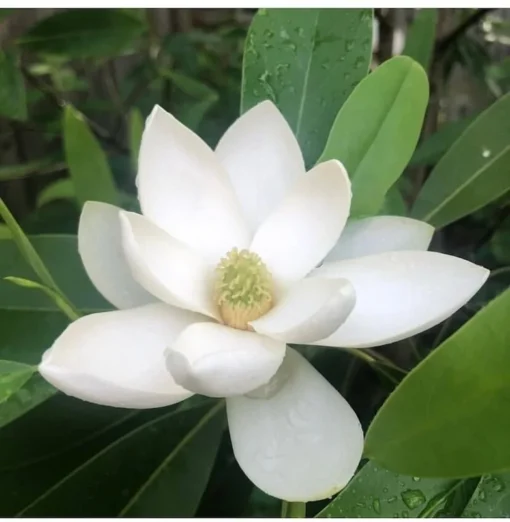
(219, 361)
(311, 310)
(262, 158)
(307, 224)
(375, 235)
(167, 268)
(117, 358)
(302, 443)
(399, 294)
(100, 247)
(183, 189)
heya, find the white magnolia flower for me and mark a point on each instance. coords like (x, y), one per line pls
(219, 274)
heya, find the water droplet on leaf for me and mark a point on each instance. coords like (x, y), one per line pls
(413, 498)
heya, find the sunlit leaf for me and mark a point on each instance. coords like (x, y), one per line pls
(376, 131)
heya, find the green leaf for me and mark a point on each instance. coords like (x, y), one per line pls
(60, 189)
(87, 162)
(160, 468)
(135, 130)
(307, 61)
(491, 498)
(83, 33)
(394, 204)
(13, 375)
(445, 418)
(5, 233)
(376, 131)
(35, 391)
(25, 336)
(29, 253)
(421, 37)
(60, 254)
(430, 151)
(13, 99)
(192, 99)
(54, 296)
(377, 492)
(474, 172)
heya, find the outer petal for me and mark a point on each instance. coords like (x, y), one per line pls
(100, 247)
(303, 443)
(117, 358)
(375, 235)
(219, 361)
(311, 310)
(166, 267)
(183, 189)
(262, 158)
(399, 294)
(308, 223)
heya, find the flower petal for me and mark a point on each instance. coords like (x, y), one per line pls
(100, 247)
(184, 190)
(302, 443)
(307, 224)
(219, 361)
(399, 294)
(166, 267)
(311, 310)
(117, 358)
(262, 158)
(375, 235)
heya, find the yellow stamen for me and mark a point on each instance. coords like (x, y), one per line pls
(243, 289)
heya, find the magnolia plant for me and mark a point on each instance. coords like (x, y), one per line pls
(239, 252)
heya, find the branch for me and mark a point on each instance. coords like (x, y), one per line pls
(443, 44)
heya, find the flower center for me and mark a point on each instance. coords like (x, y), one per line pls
(243, 288)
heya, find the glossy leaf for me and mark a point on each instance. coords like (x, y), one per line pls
(88, 166)
(378, 493)
(60, 254)
(142, 471)
(491, 498)
(13, 102)
(474, 172)
(307, 61)
(420, 37)
(376, 131)
(430, 151)
(83, 33)
(445, 418)
(60, 189)
(13, 375)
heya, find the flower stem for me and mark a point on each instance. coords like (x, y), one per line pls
(293, 509)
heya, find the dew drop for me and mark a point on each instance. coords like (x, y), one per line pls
(376, 504)
(486, 153)
(392, 499)
(349, 45)
(413, 498)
